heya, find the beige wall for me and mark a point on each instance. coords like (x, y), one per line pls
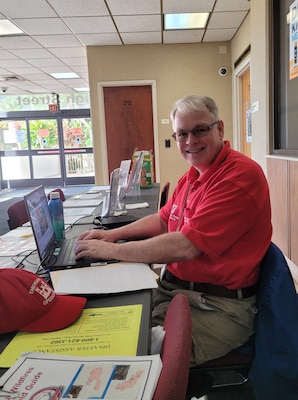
(178, 70)
(184, 69)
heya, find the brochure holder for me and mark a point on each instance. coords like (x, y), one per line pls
(133, 187)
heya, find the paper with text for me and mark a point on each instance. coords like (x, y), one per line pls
(107, 331)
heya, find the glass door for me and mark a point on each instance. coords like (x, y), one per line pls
(53, 150)
(78, 149)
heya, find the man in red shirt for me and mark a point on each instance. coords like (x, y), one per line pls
(212, 233)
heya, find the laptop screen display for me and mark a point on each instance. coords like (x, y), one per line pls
(41, 223)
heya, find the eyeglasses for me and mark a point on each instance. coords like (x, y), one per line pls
(198, 132)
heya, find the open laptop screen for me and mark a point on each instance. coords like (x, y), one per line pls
(41, 223)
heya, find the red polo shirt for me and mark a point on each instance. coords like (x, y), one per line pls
(226, 214)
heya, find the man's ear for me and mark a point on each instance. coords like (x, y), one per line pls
(221, 128)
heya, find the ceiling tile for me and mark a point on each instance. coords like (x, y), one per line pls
(138, 23)
(187, 36)
(31, 53)
(60, 69)
(50, 41)
(42, 26)
(90, 24)
(187, 6)
(231, 5)
(69, 52)
(47, 62)
(7, 55)
(134, 7)
(14, 63)
(18, 42)
(24, 70)
(74, 61)
(100, 39)
(141, 37)
(83, 8)
(32, 9)
(216, 35)
(230, 19)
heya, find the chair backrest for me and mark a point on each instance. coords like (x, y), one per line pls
(164, 194)
(17, 214)
(172, 384)
(62, 196)
(274, 371)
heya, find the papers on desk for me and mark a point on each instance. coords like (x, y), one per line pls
(16, 241)
(106, 331)
(87, 196)
(111, 278)
(136, 205)
(98, 189)
(40, 376)
(72, 203)
(79, 211)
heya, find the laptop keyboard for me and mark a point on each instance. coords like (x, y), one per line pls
(67, 254)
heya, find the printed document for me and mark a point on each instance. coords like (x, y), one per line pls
(106, 331)
(42, 376)
(110, 278)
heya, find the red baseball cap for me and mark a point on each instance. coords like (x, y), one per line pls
(28, 303)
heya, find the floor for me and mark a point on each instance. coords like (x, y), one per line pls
(234, 392)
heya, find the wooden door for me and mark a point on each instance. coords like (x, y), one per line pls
(129, 122)
(246, 114)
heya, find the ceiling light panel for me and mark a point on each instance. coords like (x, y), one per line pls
(185, 21)
(8, 28)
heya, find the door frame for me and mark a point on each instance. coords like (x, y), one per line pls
(102, 123)
(237, 104)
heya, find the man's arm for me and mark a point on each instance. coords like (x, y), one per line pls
(164, 248)
(151, 225)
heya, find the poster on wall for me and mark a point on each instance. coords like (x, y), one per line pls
(293, 39)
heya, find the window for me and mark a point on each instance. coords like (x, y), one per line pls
(285, 99)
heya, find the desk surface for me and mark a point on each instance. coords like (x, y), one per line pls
(143, 297)
(140, 297)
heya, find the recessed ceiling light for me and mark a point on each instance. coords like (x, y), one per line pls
(82, 89)
(8, 28)
(185, 21)
(64, 75)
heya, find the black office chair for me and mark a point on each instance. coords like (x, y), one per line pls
(164, 194)
(269, 360)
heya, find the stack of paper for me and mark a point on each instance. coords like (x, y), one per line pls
(110, 278)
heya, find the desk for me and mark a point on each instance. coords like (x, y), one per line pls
(140, 297)
(149, 195)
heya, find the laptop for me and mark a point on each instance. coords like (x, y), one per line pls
(53, 254)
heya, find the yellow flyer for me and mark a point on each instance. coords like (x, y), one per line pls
(108, 331)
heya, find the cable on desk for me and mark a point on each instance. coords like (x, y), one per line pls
(97, 221)
(77, 220)
(20, 263)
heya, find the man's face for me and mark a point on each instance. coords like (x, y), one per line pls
(199, 152)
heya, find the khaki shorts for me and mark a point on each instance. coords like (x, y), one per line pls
(219, 324)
